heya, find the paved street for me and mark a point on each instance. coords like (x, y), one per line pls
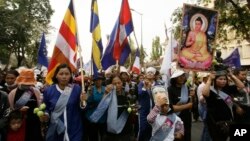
(196, 130)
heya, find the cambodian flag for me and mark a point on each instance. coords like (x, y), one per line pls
(118, 47)
(136, 66)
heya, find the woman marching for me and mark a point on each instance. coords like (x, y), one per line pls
(26, 98)
(220, 104)
(63, 106)
(115, 102)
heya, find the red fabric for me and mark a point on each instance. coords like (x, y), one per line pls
(17, 135)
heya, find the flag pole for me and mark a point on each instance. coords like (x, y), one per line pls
(80, 54)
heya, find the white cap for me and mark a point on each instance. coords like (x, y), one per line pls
(123, 69)
(177, 73)
(151, 69)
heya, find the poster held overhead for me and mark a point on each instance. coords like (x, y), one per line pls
(199, 28)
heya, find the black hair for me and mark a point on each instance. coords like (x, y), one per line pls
(238, 70)
(199, 19)
(216, 77)
(112, 78)
(14, 72)
(61, 66)
(173, 81)
(16, 114)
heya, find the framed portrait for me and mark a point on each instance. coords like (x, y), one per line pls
(199, 27)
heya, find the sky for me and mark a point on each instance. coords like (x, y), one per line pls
(154, 14)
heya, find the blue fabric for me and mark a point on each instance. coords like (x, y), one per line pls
(145, 129)
(22, 101)
(101, 108)
(233, 60)
(108, 59)
(116, 125)
(92, 103)
(74, 120)
(109, 102)
(56, 125)
(184, 96)
(42, 53)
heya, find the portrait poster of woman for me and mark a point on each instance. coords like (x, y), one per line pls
(199, 28)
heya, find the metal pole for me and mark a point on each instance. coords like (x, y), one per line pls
(141, 23)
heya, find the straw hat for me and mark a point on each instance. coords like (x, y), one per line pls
(26, 77)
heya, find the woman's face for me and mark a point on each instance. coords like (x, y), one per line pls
(10, 79)
(221, 81)
(242, 75)
(150, 75)
(181, 79)
(63, 76)
(198, 25)
(98, 82)
(124, 76)
(118, 83)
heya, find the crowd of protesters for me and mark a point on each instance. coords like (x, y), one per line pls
(118, 105)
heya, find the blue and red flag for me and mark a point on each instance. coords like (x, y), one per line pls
(136, 66)
(118, 47)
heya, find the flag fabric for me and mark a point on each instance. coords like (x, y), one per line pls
(136, 66)
(118, 47)
(97, 47)
(167, 61)
(65, 50)
(87, 67)
(233, 60)
(42, 53)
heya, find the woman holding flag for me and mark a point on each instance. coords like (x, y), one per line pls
(63, 107)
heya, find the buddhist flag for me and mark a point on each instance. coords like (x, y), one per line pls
(136, 66)
(118, 47)
(97, 47)
(65, 50)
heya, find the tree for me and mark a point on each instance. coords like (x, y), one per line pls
(234, 16)
(21, 26)
(176, 20)
(156, 49)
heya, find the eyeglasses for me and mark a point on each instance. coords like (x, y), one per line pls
(150, 72)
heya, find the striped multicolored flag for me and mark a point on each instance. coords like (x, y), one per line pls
(97, 47)
(65, 50)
